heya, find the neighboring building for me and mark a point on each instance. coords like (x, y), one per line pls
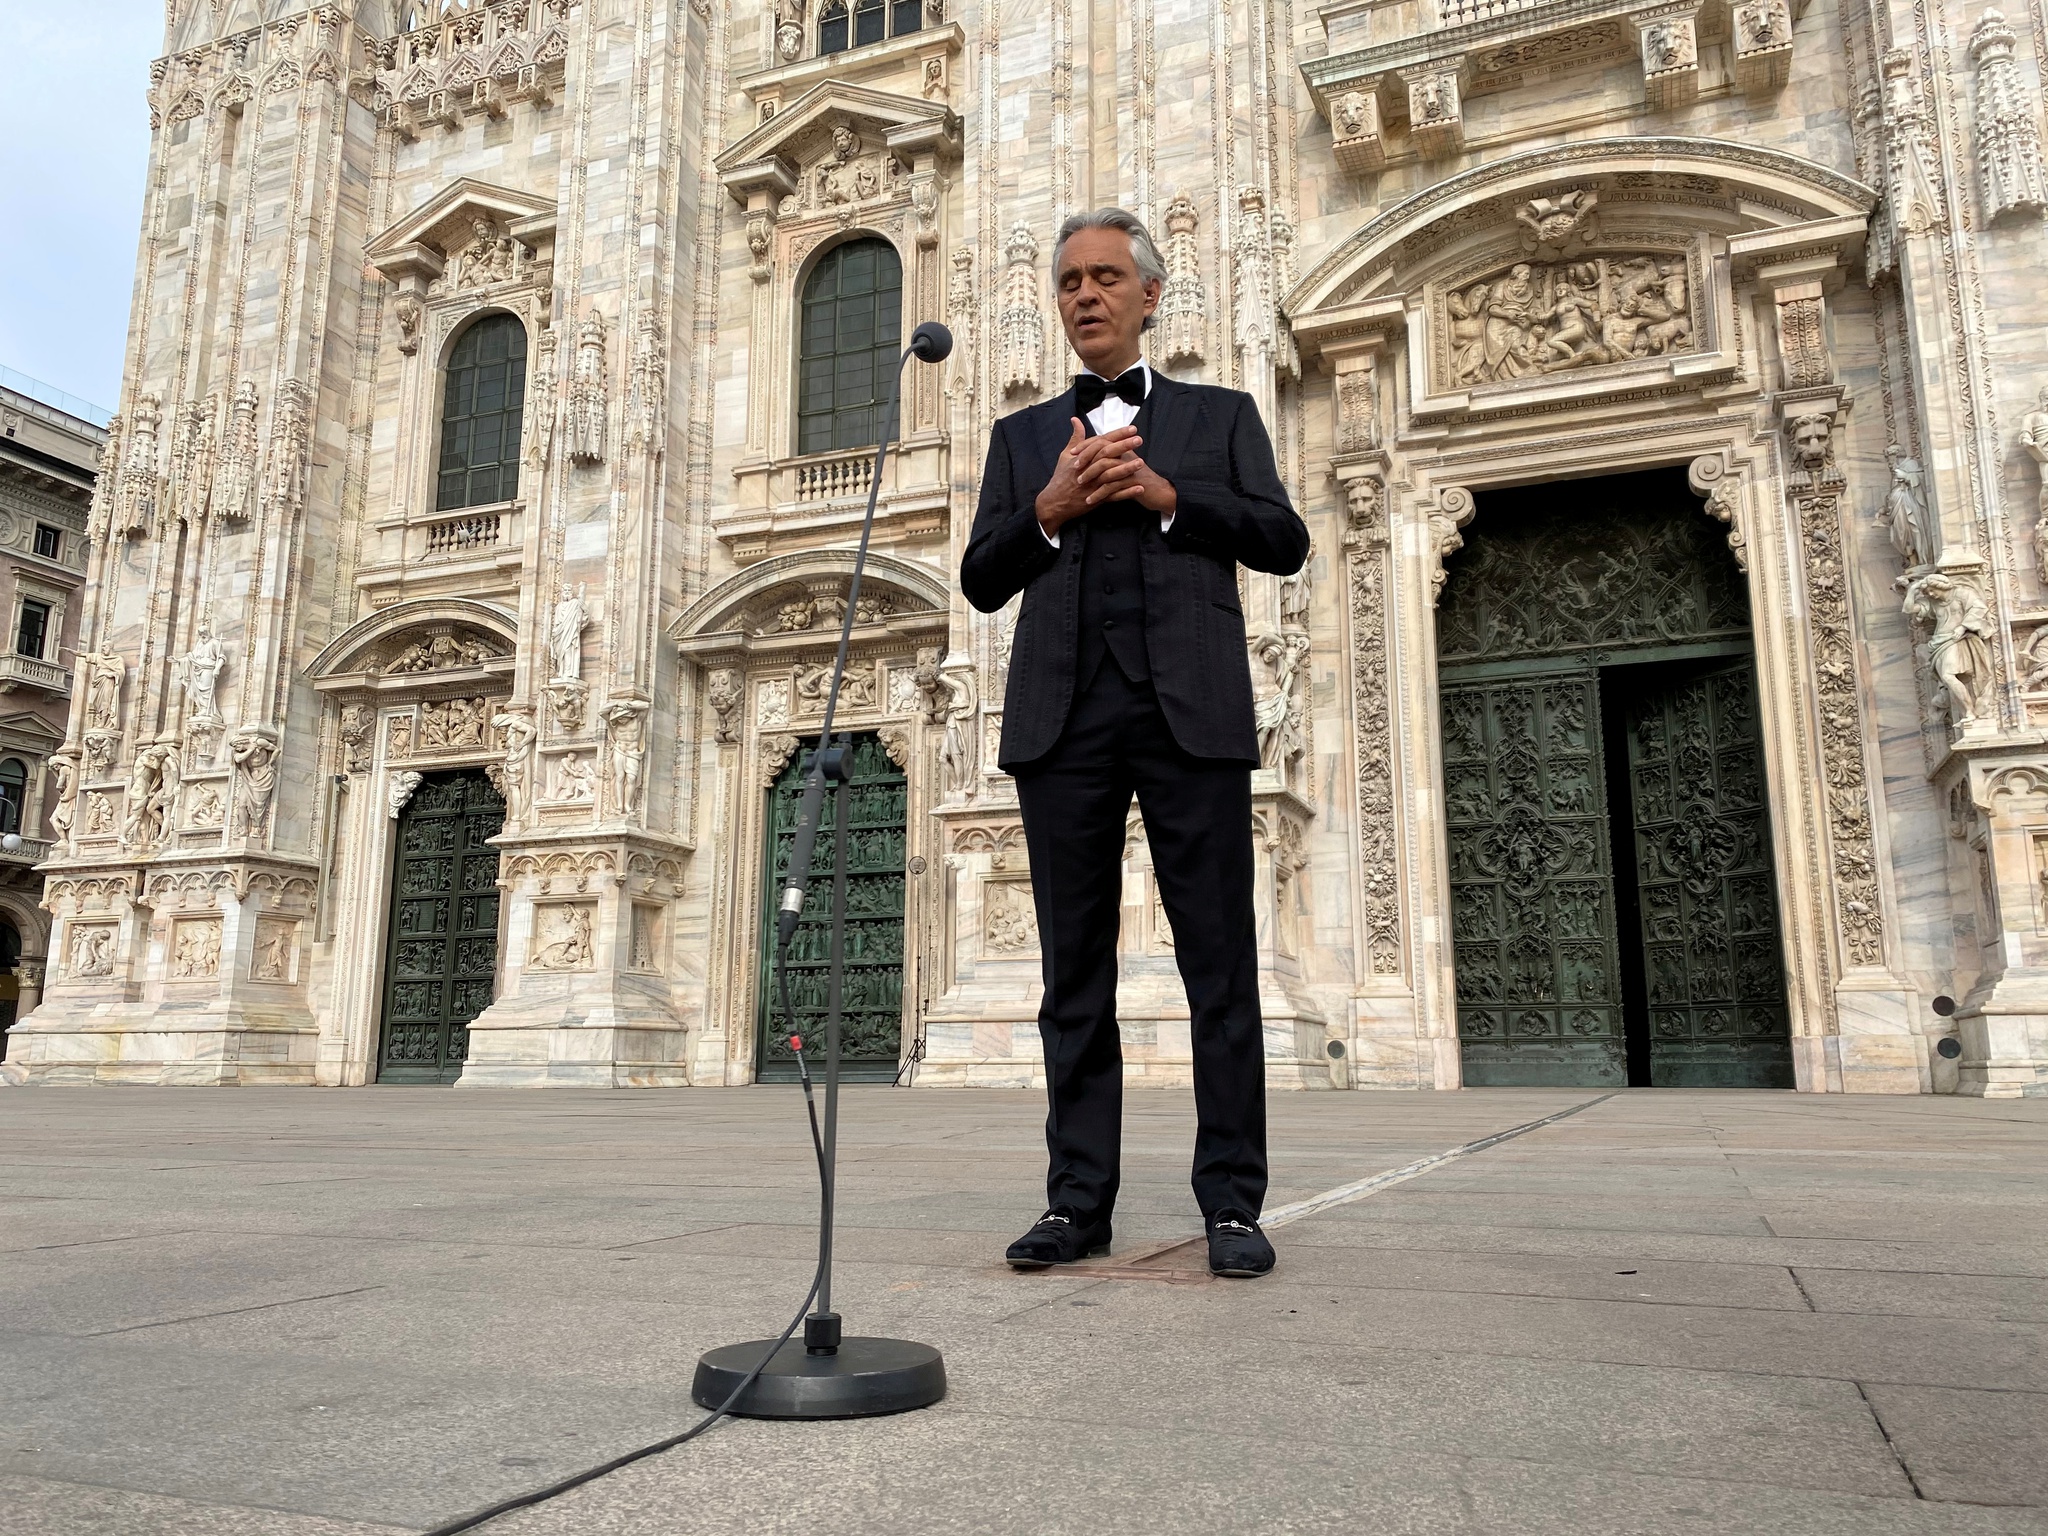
(49, 453)
(1665, 700)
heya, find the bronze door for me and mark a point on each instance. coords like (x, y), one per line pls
(1613, 902)
(441, 960)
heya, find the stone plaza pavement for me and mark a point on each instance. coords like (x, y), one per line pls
(332, 1313)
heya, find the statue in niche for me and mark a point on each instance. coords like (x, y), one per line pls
(1280, 717)
(204, 809)
(203, 666)
(99, 816)
(105, 672)
(254, 755)
(1905, 510)
(565, 635)
(628, 722)
(956, 710)
(143, 823)
(519, 734)
(1959, 642)
(2034, 443)
(65, 811)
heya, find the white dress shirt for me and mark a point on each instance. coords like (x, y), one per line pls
(1115, 411)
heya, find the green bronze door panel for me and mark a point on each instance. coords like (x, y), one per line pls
(871, 1027)
(1532, 889)
(1711, 949)
(442, 958)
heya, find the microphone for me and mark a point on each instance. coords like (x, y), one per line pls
(931, 342)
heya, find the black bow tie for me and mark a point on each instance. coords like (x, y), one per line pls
(1091, 389)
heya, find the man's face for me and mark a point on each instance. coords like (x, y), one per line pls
(1103, 304)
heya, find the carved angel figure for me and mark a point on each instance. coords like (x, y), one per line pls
(1959, 645)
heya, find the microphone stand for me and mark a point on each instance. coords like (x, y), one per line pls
(830, 1375)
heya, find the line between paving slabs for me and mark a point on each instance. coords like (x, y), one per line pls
(1148, 1261)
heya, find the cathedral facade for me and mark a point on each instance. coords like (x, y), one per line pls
(1665, 700)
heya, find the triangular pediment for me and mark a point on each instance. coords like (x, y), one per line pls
(802, 132)
(445, 223)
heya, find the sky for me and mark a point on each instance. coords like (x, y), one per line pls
(75, 129)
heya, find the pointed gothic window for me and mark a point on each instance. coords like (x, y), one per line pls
(852, 332)
(481, 412)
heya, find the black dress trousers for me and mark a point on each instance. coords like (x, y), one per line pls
(1198, 821)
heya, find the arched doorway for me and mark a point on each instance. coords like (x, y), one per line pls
(441, 956)
(871, 1029)
(1613, 901)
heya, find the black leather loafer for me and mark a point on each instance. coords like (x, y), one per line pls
(1059, 1237)
(1237, 1248)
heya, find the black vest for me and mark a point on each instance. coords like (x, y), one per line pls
(1112, 585)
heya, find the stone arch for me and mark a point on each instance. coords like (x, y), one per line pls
(363, 649)
(726, 608)
(30, 921)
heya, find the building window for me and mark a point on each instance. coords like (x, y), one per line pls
(852, 329)
(32, 629)
(847, 24)
(48, 541)
(13, 794)
(481, 413)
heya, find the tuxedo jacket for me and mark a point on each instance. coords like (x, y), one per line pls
(1231, 510)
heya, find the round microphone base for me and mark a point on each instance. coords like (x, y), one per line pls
(863, 1377)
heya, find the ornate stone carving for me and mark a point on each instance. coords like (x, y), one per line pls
(1913, 178)
(204, 809)
(575, 780)
(775, 751)
(1537, 319)
(195, 949)
(440, 651)
(254, 755)
(2034, 443)
(1454, 509)
(407, 310)
(561, 936)
(2034, 660)
(1763, 44)
(1709, 477)
(1281, 713)
(1436, 113)
(277, 941)
(99, 816)
(1356, 136)
(626, 743)
(1009, 919)
(141, 480)
(1853, 868)
(1960, 630)
(64, 812)
(399, 741)
(565, 634)
(152, 792)
(491, 257)
(515, 781)
(99, 519)
(588, 405)
(105, 672)
(1671, 60)
(449, 723)
(1813, 447)
(1182, 319)
(540, 407)
(789, 29)
(283, 493)
(92, 949)
(1252, 296)
(1802, 339)
(1904, 514)
(895, 739)
(924, 188)
(398, 793)
(1358, 425)
(1372, 731)
(761, 243)
(467, 60)
(235, 479)
(190, 488)
(963, 313)
(724, 693)
(1020, 324)
(2008, 125)
(650, 384)
(202, 667)
(1554, 227)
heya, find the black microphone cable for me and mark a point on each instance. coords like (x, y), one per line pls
(592, 1474)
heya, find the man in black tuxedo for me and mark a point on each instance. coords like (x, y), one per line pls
(1122, 510)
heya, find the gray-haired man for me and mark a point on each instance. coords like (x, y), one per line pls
(1121, 511)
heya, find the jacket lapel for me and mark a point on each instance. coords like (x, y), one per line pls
(1170, 410)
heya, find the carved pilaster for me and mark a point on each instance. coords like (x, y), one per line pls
(1367, 553)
